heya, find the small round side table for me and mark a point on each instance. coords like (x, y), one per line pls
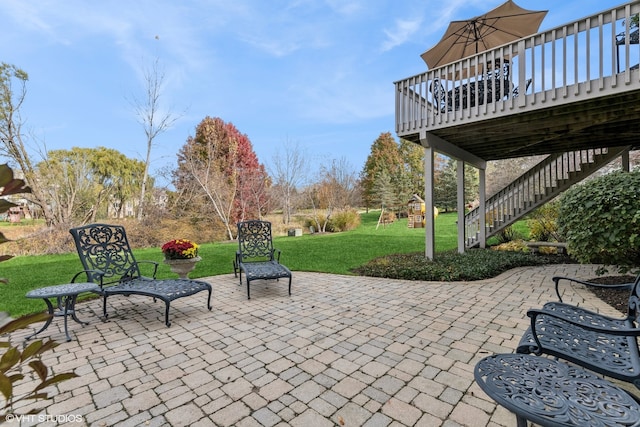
(66, 296)
(549, 392)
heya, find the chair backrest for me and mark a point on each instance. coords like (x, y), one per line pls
(634, 301)
(255, 241)
(438, 94)
(105, 247)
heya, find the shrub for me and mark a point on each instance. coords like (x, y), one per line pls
(600, 220)
(543, 223)
(38, 240)
(476, 264)
(154, 232)
(340, 220)
(309, 222)
(319, 222)
(516, 245)
(507, 234)
(149, 233)
(344, 220)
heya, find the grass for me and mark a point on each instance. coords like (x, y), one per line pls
(339, 253)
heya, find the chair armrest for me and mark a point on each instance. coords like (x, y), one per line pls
(155, 266)
(99, 273)
(558, 279)
(275, 254)
(620, 330)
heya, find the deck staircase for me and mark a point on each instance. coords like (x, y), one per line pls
(553, 175)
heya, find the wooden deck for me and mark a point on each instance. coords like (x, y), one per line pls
(584, 92)
(570, 88)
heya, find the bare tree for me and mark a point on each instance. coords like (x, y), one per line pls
(204, 169)
(336, 188)
(255, 193)
(288, 171)
(153, 120)
(339, 184)
(13, 91)
(312, 193)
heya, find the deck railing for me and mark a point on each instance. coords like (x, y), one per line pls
(591, 57)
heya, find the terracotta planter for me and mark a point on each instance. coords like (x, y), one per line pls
(182, 267)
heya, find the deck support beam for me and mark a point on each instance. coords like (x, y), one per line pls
(430, 230)
(433, 143)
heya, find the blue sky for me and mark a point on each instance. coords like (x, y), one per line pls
(317, 73)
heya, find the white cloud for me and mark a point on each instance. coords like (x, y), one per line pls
(403, 30)
(25, 13)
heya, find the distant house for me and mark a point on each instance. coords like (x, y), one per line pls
(130, 207)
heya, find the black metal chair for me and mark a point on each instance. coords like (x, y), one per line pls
(256, 256)
(603, 344)
(438, 95)
(107, 260)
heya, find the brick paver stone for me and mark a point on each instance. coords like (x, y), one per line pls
(341, 350)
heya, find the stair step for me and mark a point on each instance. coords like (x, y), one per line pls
(539, 174)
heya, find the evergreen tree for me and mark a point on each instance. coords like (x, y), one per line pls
(413, 163)
(446, 185)
(385, 161)
(383, 190)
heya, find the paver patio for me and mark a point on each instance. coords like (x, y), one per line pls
(341, 351)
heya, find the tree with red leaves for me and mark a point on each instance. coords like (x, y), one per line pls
(219, 167)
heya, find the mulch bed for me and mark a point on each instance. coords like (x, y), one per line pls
(617, 298)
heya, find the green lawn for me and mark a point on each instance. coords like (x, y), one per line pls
(341, 252)
(330, 253)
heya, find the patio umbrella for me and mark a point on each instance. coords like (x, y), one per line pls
(504, 24)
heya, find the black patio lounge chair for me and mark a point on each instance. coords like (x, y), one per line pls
(603, 344)
(107, 260)
(256, 256)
